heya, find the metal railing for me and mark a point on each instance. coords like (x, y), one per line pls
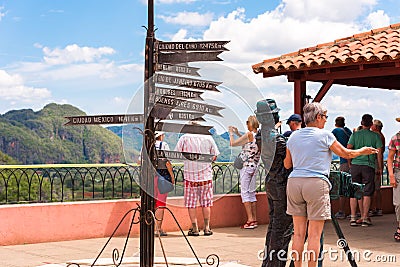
(79, 182)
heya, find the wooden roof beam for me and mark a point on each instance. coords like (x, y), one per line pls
(379, 83)
(351, 74)
(323, 90)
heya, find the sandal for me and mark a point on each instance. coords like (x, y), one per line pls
(193, 233)
(161, 233)
(397, 235)
(255, 223)
(208, 232)
(248, 225)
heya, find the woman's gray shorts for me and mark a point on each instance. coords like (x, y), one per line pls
(308, 197)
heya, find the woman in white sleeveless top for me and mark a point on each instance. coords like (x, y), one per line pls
(251, 157)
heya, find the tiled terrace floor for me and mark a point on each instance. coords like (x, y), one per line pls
(230, 244)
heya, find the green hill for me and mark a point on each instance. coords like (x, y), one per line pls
(6, 159)
(40, 137)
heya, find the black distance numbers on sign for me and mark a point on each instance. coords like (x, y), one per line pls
(166, 113)
(178, 69)
(104, 119)
(188, 105)
(186, 82)
(179, 57)
(161, 91)
(192, 46)
(182, 128)
(185, 156)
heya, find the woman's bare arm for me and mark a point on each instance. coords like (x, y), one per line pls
(248, 137)
(171, 171)
(287, 162)
(346, 153)
(390, 158)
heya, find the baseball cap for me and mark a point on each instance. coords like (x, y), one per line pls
(294, 117)
(159, 133)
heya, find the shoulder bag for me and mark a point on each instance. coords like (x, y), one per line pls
(164, 183)
(238, 163)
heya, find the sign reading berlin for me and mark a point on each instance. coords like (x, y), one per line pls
(185, 57)
(178, 69)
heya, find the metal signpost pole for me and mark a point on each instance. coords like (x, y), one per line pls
(147, 180)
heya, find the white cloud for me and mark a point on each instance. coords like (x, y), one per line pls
(43, 72)
(378, 19)
(121, 101)
(74, 53)
(74, 67)
(2, 14)
(38, 45)
(327, 10)
(12, 88)
(293, 25)
(180, 35)
(272, 34)
(56, 11)
(189, 18)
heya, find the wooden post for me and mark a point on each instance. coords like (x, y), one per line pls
(299, 96)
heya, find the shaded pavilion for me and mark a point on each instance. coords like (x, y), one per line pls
(369, 59)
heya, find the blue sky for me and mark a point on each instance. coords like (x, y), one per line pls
(89, 53)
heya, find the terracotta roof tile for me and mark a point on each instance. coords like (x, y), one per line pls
(375, 45)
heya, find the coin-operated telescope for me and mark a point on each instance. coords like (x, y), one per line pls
(342, 185)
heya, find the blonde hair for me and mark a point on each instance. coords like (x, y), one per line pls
(253, 122)
(378, 124)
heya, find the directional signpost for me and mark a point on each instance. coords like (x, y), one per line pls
(185, 156)
(182, 104)
(166, 113)
(183, 128)
(177, 69)
(104, 119)
(161, 91)
(191, 46)
(186, 82)
(179, 57)
(183, 52)
(169, 61)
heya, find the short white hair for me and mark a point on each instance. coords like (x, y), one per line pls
(311, 111)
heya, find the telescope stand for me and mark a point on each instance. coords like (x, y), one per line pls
(342, 242)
